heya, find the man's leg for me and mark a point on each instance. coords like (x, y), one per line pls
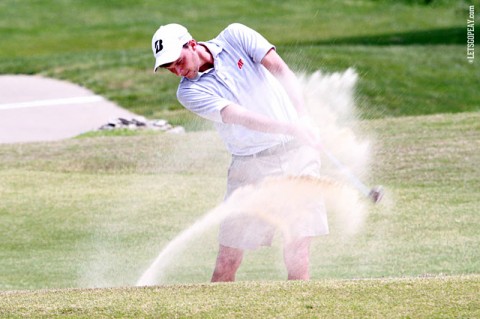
(228, 261)
(296, 255)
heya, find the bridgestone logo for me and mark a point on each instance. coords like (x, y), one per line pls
(158, 46)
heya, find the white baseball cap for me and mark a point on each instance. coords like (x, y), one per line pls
(167, 43)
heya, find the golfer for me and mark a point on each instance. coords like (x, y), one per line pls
(239, 82)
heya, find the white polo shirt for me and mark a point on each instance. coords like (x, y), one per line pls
(238, 77)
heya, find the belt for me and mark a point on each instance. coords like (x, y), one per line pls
(275, 150)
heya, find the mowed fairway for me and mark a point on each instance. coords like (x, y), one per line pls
(94, 212)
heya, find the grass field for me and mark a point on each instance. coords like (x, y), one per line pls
(436, 297)
(94, 211)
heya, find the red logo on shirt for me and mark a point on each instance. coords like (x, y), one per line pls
(240, 64)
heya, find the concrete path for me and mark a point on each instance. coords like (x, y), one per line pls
(34, 108)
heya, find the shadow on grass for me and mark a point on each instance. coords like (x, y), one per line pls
(456, 35)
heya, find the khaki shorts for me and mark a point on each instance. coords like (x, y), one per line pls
(246, 231)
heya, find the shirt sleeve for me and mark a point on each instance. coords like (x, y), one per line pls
(252, 42)
(203, 103)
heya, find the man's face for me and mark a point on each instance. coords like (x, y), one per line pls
(187, 64)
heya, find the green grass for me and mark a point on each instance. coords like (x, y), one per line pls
(45, 27)
(436, 297)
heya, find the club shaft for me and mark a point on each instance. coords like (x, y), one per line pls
(347, 173)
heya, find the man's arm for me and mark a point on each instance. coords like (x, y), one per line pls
(275, 64)
(235, 114)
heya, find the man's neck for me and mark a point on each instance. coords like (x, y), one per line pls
(206, 58)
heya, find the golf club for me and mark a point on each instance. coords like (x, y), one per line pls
(375, 194)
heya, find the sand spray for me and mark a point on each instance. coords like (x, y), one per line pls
(294, 197)
(331, 103)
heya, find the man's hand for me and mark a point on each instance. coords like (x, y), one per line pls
(306, 132)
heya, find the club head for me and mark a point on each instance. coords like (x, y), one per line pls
(376, 194)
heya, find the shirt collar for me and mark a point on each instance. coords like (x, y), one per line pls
(215, 50)
(213, 47)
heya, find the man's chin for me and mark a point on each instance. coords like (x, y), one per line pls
(191, 75)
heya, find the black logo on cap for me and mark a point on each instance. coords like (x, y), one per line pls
(158, 46)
